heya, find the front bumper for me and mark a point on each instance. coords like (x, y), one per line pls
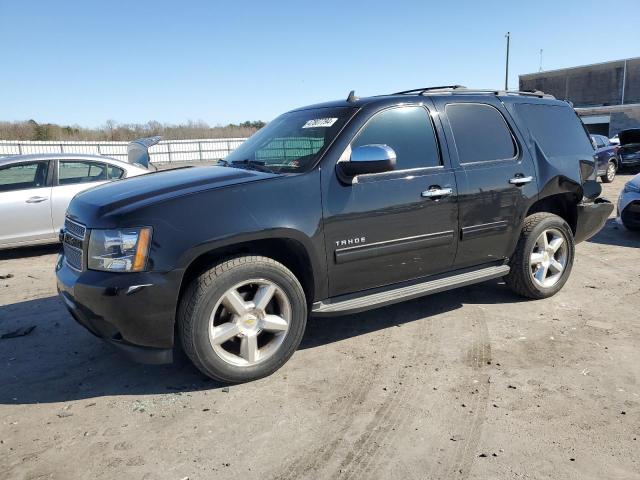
(629, 160)
(133, 311)
(629, 209)
(591, 218)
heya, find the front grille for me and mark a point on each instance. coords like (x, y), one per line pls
(74, 228)
(73, 243)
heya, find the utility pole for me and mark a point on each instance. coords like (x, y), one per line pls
(506, 72)
(540, 60)
(624, 82)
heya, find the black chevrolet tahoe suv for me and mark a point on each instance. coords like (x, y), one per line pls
(332, 209)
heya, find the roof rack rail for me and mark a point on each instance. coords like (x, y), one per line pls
(427, 89)
(460, 89)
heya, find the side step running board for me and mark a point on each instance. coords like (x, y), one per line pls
(362, 301)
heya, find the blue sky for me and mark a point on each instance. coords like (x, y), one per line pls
(83, 62)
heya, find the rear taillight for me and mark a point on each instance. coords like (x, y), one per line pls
(587, 170)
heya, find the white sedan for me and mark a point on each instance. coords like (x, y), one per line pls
(35, 191)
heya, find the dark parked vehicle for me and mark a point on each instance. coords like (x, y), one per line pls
(332, 209)
(629, 150)
(606, 158)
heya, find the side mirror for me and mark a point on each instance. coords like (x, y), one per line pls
(369, 159)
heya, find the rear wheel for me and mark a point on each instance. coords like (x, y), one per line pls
(610, 174)
(543, 259)
(242, 319)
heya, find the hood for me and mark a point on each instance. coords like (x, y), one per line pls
(629, 136)
(136, 192)
(635, 180)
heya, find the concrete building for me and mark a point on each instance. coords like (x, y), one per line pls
(606, 95)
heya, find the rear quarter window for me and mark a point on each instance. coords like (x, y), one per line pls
(556, 129)
(115, 173)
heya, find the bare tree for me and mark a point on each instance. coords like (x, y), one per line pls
(114, 131)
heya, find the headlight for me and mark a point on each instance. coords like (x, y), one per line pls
(630, 187)
(122, 250)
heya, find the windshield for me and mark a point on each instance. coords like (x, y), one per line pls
(293, 142)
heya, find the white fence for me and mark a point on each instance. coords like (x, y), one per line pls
(164, 152)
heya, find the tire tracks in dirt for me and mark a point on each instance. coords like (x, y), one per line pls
(357, 385)
(376, 446)
(459, 462)
(382, 445)
(394, 413)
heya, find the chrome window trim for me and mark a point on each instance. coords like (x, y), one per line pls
(397, 174)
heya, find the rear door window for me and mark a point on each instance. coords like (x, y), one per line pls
(23, 176)
(556, 128)
(480, 132)
(71, 172)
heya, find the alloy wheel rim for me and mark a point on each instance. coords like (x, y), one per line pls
(249, 322)
(548, 259)
(611, 172)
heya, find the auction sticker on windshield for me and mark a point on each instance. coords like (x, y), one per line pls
(320, 123)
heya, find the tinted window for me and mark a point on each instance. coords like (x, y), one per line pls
(408, 130)
(23, 176)
(480, 132)
(557, 129)
(70, 172)
(115, 173)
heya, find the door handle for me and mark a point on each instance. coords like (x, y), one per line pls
(36, 199)
(437, 192)
(520, 180)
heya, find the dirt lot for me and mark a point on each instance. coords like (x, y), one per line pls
(474, 383)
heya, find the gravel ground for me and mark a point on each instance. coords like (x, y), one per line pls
(473, 383)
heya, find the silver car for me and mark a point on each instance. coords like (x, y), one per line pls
(35, 191)
(629, 204)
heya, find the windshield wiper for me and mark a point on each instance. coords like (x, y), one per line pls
(252, 164)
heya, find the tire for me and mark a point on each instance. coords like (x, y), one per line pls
(631, 228)
(610, 173)
(528, 276)
(228, 298)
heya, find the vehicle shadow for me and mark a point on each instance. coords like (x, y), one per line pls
(615, 234)
(60, 361)
(325, 330)
(24, 252)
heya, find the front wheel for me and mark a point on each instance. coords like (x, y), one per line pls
(542, 261)
(242, 319)
(610, 174)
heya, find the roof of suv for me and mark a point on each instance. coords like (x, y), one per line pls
(448, 91)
